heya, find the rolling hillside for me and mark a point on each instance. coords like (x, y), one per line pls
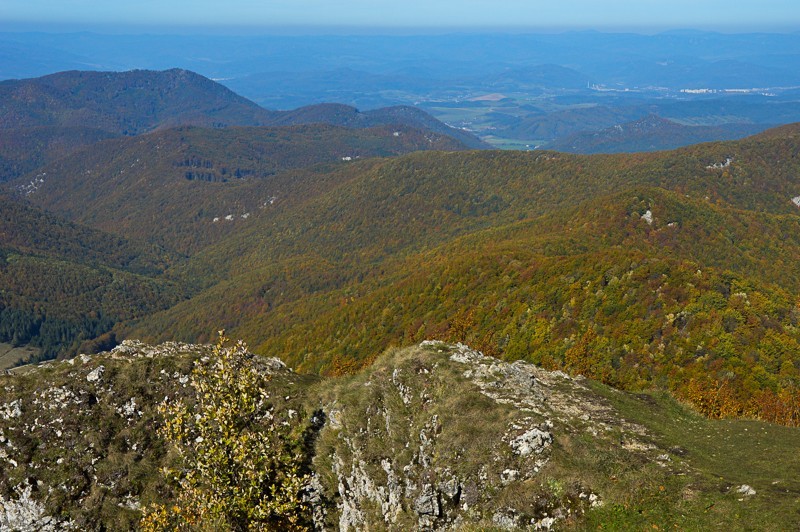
(651, 133)
(186, 187)
(514, 252)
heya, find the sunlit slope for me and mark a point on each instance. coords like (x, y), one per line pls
(673, 269)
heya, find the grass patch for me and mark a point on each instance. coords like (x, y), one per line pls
(709, 461)
(10, 355)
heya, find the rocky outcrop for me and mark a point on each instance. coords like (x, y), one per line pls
(78, 446)
(25, 514)
(437, 436)
(432, 437)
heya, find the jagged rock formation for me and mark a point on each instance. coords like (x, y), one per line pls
(439, 436)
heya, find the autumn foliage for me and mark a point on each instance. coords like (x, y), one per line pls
(240, 459)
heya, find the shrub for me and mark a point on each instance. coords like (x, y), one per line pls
(240, 458)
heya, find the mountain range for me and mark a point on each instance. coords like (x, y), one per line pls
(283, 234)
(366, 250)
(43, 119)
(497, 86)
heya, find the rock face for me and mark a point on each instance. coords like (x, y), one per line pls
(25, 514)
(433, 437)
(439, 436)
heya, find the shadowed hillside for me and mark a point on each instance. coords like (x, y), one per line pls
(66, 286)
(184, 187)
(26, 149)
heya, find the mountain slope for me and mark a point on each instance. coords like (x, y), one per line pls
(29, 230)
(650, 133)
(513, 251)
(347, 116)
(422, 199)
(65, 285)
(201, 180)
(620, 311)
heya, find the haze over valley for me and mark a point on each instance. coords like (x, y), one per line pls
(516, 90)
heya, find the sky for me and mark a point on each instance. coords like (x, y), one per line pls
(732, 15)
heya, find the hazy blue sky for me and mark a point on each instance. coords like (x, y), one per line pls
(735, 15)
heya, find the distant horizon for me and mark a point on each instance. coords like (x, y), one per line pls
(305, 17)
(335, 30)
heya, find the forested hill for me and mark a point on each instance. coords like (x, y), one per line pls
(44, 119)
(137, 101)
(186, 187)
(124, 103)
(673, 269)
(651, 133)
